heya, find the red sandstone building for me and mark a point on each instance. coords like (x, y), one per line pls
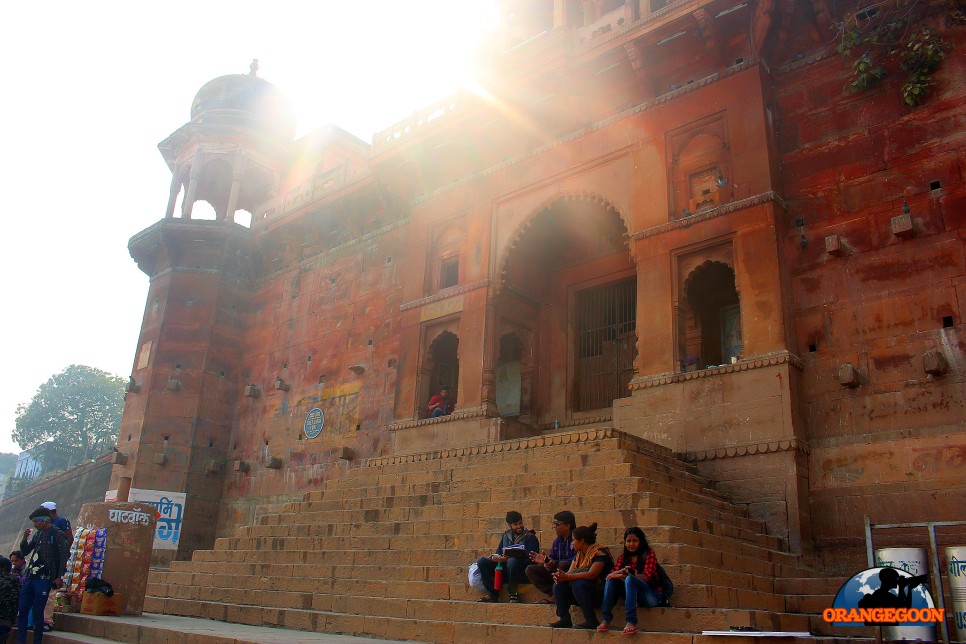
(664, 217)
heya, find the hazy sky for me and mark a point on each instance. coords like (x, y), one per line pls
(92, 88)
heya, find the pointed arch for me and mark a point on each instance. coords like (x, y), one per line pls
(548, 205)
(710, 313)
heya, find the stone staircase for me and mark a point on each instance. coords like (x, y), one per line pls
(383, 551)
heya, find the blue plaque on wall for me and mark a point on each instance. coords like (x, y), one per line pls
(314, 420)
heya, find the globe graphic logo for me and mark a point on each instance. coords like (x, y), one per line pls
(866, 582)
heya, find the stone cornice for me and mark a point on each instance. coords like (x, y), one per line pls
(459, 414)
(805, 62)
(710, 213)
(734, 451)
(564, 438)
(629, 112)
(577, 422)
(744, 364)
(445, 294)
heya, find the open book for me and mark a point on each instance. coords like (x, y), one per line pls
(515, 550)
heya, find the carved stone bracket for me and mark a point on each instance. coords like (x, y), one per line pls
(781, 445)
(744, 364)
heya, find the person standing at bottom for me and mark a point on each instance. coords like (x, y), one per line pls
(635, 576)
(46, 554)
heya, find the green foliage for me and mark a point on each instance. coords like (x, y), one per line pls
(892, 33)
(80, 407)
(8, 464)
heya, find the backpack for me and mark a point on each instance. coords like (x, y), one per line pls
(666, 585)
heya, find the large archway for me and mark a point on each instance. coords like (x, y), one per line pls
(569, 284)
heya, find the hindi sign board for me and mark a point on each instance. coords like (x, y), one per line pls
(170, 509)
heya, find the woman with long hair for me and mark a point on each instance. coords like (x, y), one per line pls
(635, 577)
(582, 585)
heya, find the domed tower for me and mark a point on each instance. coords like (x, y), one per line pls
(186, 379)
(228, 154)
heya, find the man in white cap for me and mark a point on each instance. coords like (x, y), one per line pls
(59, 522)
(62, 524)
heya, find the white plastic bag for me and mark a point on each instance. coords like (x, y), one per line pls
(475, 578)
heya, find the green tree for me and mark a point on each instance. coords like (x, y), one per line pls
(79, 407)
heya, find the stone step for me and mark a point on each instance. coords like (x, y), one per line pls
(745, 591)
(343, 614)
(487, 517)
(519, 492)
(169, 629)
(827, 586)
(475, 544)
(306, 577)
(649, 512)
(507, 476)
(60, 637)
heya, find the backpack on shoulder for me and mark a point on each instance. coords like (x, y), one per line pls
(666, 585)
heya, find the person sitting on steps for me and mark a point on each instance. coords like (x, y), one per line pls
(513, 560)
(540, 572)
(635, 576)
(583, 584)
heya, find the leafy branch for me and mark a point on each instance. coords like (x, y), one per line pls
(892, 33)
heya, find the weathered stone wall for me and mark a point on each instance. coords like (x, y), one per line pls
(327, 326)
(85, 483)
(893, 446)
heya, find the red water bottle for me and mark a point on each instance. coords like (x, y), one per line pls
(498, 577)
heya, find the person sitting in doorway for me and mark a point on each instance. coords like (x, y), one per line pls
(513, 553)
(583, 584)
(440, 404)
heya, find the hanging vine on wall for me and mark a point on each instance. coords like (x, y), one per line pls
(894, 33)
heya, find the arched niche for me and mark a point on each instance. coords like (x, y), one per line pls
(439, 367)
(710, 313)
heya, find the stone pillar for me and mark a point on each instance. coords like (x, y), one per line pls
(491, 345)
(173, 194)
(236, 177)
(193, 177)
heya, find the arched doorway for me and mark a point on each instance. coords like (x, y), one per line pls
(440, 369)
(712, 324)
(569, 283)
